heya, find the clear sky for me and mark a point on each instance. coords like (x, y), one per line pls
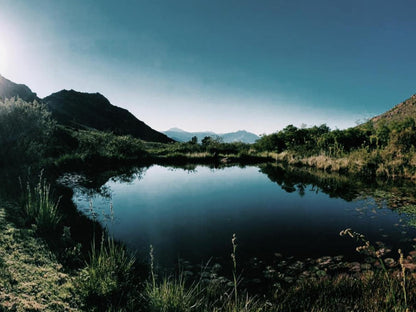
(220, 65)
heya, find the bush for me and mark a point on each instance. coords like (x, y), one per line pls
(96, 144)
(25, 130)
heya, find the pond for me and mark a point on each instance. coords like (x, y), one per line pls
(193, 213)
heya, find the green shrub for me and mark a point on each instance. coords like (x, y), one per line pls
(107, 280)
(25, 130)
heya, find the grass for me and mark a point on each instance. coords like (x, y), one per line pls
(40, 208)
(31, 278)
(173, 295)
(376, 290)
(177, 295)
(107, 280)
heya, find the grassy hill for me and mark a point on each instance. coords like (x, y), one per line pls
(93, 110)
(399, 112)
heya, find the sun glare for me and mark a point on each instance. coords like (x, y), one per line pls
(3, 57)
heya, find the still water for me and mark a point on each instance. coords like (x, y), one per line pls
(192, 214)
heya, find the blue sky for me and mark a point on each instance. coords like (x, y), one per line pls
(218, 65)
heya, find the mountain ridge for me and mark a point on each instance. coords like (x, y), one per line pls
(9, 89)
(404, 109)
(237, 136)
(94, 110)
(85, 111)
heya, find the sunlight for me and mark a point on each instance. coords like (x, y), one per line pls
(3, 57)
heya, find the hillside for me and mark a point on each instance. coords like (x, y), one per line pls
(399, 112)
(238, 136)
(85, 111)
(9, 89)
(93, 110)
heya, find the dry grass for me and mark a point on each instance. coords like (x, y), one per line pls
(31, 279)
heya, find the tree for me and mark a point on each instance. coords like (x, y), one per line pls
(206, 141)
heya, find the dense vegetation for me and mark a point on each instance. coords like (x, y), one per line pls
(384, 149)
(87, 270)
(25, 132)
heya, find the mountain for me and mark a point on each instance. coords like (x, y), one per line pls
(184, 136)
(93, 110)
(85, 111)
(239, 136)
(399, 112)
(9, 89)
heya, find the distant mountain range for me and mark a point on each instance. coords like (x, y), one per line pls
(86, 111)
(239, 136)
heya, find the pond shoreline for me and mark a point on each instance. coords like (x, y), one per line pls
(275, 276)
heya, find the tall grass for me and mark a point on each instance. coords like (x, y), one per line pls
(107, 279)
(234, 259)
(171, 294)
(176, 295)
(398, 299)
(40, 208)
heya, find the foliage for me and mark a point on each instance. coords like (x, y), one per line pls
(108, 281)
(103, 144)
(25, 131)
(95, 148)
(40, 208)
(385, 149)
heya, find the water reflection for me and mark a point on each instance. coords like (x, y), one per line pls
(192, 212)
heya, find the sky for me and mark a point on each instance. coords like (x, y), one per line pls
(220, 65)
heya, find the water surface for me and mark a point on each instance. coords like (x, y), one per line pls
(192, 214)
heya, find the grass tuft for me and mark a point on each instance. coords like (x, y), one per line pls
(40, 208)
(107, 279)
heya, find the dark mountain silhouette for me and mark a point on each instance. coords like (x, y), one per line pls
(399, 112)
(239, 136)
(9, 89)
(93, 110)
(85, 111)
